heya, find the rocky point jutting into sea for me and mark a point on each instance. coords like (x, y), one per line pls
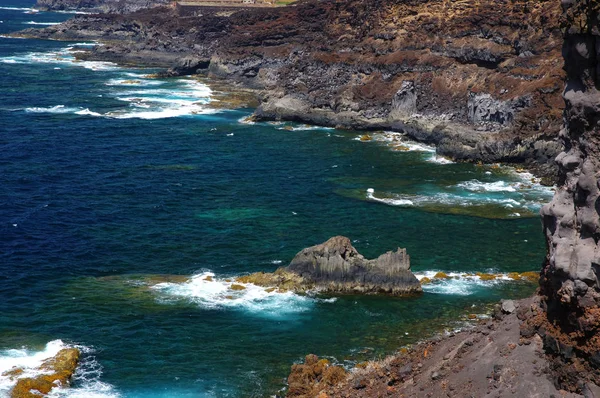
(480, 80)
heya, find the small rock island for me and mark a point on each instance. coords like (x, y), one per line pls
(337, 267)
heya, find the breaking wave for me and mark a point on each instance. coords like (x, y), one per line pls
(210, 292)
(85, 382)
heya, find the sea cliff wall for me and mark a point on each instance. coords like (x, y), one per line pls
(570, 282)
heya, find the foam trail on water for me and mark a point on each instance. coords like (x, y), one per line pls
(52, 109)
(41, 23)
(210, 292)
(17, 9)
(86, 380)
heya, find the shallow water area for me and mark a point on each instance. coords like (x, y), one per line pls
(128, 206)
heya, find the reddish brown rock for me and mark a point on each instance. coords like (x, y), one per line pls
(308, 380)
(57, 372)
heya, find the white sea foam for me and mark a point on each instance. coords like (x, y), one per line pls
(52, 109)
(304, 127)
(458, 283)
(41, 23)
(396, 141)
(135, 81)
(478, 186)
(87, 112)
(188, 98)
(444, 198)
(86, 380)
(389, 201)
(211, 292)
(17, 9)
(435, 158)
(62, 56)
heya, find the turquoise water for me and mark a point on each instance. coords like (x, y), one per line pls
(112, 184)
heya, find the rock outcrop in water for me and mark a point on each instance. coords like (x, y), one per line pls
(56, 371)
(336, 267)
(570, 279)
(479, 79)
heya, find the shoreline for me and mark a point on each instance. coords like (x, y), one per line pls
(492, 123)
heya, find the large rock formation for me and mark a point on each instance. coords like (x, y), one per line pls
(108, 6)
(336, 267)
(480, 79)
(569, 281)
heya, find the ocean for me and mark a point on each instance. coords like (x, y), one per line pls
(121, 193)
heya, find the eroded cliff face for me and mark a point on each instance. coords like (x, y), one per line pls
(108, 6)
(570, 277)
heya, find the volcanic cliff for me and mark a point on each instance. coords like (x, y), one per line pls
(480, 79)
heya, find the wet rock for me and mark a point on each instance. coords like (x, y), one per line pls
(57, 372)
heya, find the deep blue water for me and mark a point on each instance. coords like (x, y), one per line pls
(110, 179)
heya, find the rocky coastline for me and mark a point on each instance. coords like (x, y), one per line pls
(481, 81)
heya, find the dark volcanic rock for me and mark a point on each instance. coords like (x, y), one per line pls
(108, 6)
(569, 284)
(336, 266)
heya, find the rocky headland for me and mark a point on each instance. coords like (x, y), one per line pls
(337, 267)
(480, 80)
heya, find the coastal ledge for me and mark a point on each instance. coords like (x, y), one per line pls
(337, 267)
(499, 357)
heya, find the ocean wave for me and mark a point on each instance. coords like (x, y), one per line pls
(18, 9)
(163, 113)
(86, 111)
(210, 292)
(86, 379)
(136, 81)
(41, 23)
(63, 56)
(52, 109)
(399, 142)
(442, 198)
(435, 158)
(389, 201)
(460, 283)
(303, 127)
(496, 186)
